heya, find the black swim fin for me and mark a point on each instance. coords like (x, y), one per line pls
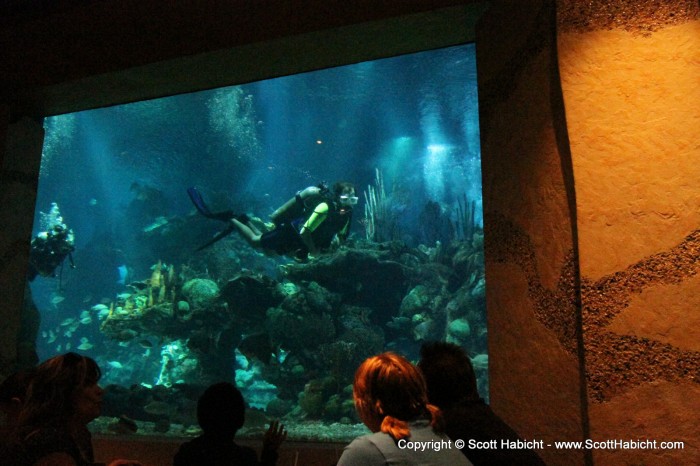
(224, 216)
(203, 209)
(219, 236)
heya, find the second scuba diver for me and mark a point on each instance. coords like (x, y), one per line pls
(305, 226)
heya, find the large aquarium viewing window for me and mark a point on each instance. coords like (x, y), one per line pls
(138, 260)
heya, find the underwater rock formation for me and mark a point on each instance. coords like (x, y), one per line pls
(200, 292)
(297, 340)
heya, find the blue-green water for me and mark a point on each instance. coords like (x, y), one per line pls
(164, 320)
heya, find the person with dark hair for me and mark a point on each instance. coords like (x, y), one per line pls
(451, 383)
(62, 397)
(305, 226)
(391, 399)
(220, 414)
(13, 392)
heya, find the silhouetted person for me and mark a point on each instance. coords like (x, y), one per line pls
(451, 385)
(61, 399)
(390, 398)
(13, 392)
(220, 413)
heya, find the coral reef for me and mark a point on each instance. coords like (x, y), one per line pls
(293, 343)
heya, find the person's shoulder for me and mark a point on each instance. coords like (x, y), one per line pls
(363, 451)
(48, 437)
(56, 459)
(188, 453)
(48, 444)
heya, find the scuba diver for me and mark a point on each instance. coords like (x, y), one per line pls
(304, 226)
(50, 248)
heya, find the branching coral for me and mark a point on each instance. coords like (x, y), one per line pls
(380, 224)
(465, 224)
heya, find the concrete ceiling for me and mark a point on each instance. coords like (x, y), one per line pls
(73, 59)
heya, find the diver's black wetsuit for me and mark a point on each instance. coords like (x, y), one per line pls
(286, 238)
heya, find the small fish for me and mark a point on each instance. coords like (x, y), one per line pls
(145, 343)
(115, 364)
(137, 286)
(99, 307)
(58, 348)
(44, 334)
(52, 337)
(68, 321)
(67, 334)
(87, 298)
(123, 296)
(159, 222)
(57, 299)
(127, 335)
(84, 344)
(68, 346)
(84, 314)
(282, 355)
(86, 320)
(480, 361)
(158, 408)
(92, 202)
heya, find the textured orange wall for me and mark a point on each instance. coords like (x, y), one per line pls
(534, 353)
(632, 97)
(633, 110)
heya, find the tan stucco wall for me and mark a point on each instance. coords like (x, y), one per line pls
(633, 111)
(534, 351)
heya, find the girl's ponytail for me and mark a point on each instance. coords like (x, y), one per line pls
(397, 428)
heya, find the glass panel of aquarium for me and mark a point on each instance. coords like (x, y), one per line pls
(274, 234)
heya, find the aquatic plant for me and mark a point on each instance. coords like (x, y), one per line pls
(380, 224)
(465, 223)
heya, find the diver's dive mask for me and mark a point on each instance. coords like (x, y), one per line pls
(348, 200)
